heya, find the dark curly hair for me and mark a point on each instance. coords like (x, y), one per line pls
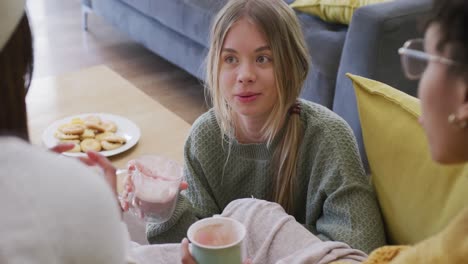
(16, 67)
(452, 16)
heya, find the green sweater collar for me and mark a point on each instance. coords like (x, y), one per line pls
(257, 151)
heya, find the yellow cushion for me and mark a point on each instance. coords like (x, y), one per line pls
(418, 197)
(333, 11)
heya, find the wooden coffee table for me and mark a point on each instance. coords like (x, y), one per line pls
(99, 89)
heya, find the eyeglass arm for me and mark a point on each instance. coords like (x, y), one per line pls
(425, 56)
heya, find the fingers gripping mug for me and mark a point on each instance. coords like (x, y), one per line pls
(152, 187)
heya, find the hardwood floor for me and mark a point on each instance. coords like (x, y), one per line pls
(62, 46)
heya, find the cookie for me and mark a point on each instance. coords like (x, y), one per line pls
(77, 120)
(88, 133)
(110, 146)
(115, 139)
(72, 129)
(96, 127)
(92, 119)
(101, 136)
(62, 136)
(90, 144)
(109, 126)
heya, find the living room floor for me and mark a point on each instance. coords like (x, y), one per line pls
(62, 46)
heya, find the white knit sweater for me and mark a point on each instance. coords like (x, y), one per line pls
(55, 210)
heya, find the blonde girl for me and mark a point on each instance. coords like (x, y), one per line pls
(260, 140)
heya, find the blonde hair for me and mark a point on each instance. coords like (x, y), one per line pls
(291, 64)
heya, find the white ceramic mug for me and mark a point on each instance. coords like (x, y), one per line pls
(217, 240)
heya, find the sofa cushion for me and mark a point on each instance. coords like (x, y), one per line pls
(333, 11)
(141, 5)
(325, 42)
(418, 197)
(191, 18)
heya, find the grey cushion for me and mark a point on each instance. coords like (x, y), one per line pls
(141, 5)
(174, 47)
(325, 42)
(191, 18)
(87, 3)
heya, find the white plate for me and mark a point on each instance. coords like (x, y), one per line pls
(125, 128)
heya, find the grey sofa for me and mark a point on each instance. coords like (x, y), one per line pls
(177, 30)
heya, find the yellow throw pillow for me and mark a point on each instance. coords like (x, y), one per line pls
(417, 196)
(333, 11)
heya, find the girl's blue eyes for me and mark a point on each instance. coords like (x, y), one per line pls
(263, 59)
(260, 59)
(230, 60)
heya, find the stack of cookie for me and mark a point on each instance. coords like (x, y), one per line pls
(90, 133)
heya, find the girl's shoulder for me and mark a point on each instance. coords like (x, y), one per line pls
(206, 120)
(318, 118)
(205, 126)
(205, 138)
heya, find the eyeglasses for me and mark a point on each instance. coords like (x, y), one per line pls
(414, 60)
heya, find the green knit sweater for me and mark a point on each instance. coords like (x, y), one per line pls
(333, 200)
